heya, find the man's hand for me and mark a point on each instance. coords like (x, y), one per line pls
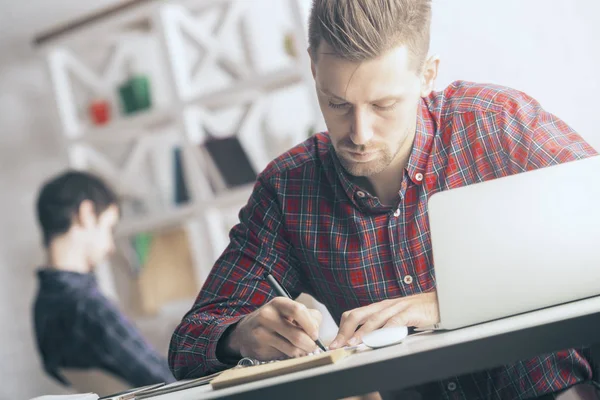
(419, 311)
(280, 328)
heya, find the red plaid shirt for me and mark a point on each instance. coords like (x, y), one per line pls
(320, 233)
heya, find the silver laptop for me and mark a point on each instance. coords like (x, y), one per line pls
(517, 244)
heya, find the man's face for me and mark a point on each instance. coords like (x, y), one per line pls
(370, 108)
(100, 237)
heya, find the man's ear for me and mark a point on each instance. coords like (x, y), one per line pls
(429, 75)
(86, 215)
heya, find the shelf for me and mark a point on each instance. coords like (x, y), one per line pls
(140, 124)
(236, 197)
(133, 144)
(247, 89)
(85, 21)
(124, 16)
(149, 223)
(127, 127)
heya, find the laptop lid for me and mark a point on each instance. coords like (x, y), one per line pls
(517, 243)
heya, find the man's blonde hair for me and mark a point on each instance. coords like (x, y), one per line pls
(360, 30)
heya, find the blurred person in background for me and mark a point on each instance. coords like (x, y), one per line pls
(76, 326)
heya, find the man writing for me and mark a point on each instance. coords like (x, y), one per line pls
(343, 216)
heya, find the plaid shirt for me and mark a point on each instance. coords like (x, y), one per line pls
(78, 328)
(320, 233)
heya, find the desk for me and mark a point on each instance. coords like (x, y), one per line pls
(428, 357)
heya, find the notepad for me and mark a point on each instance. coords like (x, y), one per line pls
(236, 376)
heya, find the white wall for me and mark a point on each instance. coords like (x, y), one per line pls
(28, 153)
(546, 48)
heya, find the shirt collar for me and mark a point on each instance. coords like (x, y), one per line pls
(54, 279)
(425, 131)
(417, 161)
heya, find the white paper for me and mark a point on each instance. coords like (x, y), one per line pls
(84, 396)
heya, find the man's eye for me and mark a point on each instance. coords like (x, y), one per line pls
(338, 105)
(386, 107)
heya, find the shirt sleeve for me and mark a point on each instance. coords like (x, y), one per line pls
(119, 347)
(534, 138)
(235, 287)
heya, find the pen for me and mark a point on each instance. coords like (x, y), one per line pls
(280, 290)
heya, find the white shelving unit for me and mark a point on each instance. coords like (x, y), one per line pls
(201, 87)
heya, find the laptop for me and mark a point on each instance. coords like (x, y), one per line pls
(516, 244)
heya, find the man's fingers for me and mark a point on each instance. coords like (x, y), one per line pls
(299, 313)
(294, 335)
(348, 324)
(352, 319)
(285, 347)
(317, 316)
(283, 318)
(275, 346)
(396, 321)
(380, 319)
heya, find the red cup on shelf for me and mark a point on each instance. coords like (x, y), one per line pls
(99, 111)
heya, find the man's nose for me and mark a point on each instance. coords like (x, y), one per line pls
(362, 130)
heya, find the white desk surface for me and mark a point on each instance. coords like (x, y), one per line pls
(412, 345)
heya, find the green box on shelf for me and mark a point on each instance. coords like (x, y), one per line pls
(135, 94)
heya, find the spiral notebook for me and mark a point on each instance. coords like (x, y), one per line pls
(236, 376)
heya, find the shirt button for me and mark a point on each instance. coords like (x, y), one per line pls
(408, 279)
(419, 177)
(360, 194)
(397, 213)
(451, 386)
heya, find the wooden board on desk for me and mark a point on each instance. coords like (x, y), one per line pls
(236, 376)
